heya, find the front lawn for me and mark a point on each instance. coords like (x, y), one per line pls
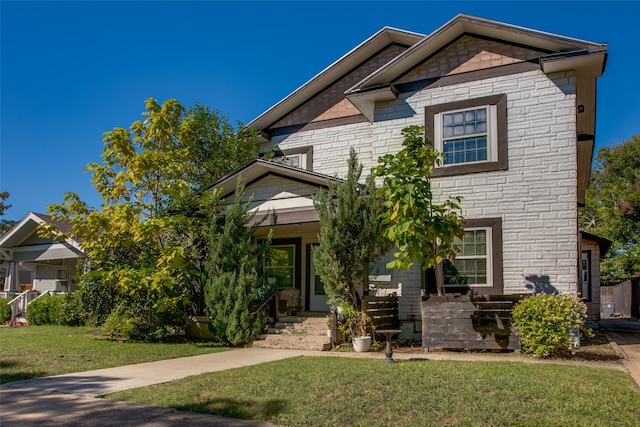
(40, 351)
(323, 391)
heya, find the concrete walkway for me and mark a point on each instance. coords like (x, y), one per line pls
(70, 399)
(625, 334)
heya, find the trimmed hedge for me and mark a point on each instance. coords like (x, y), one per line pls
(5, 310)
(55, 310)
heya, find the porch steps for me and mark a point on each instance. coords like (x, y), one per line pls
(297, 333)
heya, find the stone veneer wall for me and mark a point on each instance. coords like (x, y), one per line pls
(536, 197)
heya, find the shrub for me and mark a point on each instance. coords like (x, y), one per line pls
(98, 296)
(150, 325)
(5, 310)
(544, 323)
(55, 310)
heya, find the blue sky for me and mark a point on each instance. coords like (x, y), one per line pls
(70, 71)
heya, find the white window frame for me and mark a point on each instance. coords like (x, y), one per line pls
(491, 134)
(302, 160)
(488, 259)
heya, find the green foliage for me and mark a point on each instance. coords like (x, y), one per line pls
(355, 322)
(351, 233)
(98, 295)
(236, 282)
(612, 208)
(5, 310)
(422, 230)
(153, 308)
(55, 310)
(5, 224)
(544, 323)
(148, 240)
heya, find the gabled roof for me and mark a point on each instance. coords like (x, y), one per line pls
(335, 71)
(258, 168)
(28, 225)
(559, 48)
(605, 244)
(564, 53)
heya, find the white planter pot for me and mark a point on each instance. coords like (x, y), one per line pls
(329, 333)
(361, 344)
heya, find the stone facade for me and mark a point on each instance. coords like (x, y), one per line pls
(528, 192)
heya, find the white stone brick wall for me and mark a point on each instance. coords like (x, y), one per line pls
(536, 197)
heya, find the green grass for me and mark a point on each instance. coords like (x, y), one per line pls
(39, 351)
(322, 391)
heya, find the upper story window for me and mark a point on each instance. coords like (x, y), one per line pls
(297, 157)
(471, 135)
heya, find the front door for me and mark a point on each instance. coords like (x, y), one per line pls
(315, 289)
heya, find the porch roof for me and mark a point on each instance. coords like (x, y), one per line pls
(257, 169)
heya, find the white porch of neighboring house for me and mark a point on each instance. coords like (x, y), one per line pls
(32, 265)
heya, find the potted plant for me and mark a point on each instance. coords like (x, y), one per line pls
(357, 324)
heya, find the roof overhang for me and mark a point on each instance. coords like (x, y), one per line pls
(365, 99)
(605, 244)
(583, 62)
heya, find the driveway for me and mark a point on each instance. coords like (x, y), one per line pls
(625, 333)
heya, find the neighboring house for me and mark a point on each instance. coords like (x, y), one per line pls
(512, 108)
(37, 264)
(593, 248)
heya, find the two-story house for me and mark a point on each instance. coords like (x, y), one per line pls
(513, 109)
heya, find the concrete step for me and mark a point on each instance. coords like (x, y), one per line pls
(299, 333)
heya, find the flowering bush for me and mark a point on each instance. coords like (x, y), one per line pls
(544, 323)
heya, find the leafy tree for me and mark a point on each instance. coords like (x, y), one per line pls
(5, 224)
(612, 208)
(422, 230)
(147, 237)
(351, 234)
(236, 282)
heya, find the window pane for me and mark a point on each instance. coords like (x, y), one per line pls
(283, 277)
(458, 118)
(470, 128)
(465, 150)
(447, 119)
(481, 114)
(280, 256)
(470, 116)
